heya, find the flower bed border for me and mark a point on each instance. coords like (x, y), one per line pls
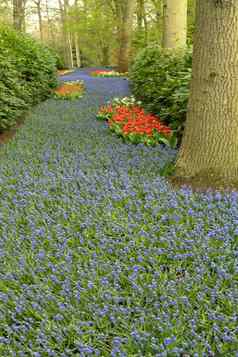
(70, 93)
(128, 120)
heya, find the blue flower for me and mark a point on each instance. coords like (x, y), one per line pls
(99, 256)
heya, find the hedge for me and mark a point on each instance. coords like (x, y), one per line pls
(160, 79)
(27, 75)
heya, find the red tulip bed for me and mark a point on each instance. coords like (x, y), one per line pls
(129, 120)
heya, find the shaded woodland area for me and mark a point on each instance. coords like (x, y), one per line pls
(98, 32)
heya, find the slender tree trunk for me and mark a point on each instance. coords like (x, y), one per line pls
(68, 56)
(175, 24)
(141, 19)
(105, 55)
(76, 37)
(70, 50)
(210, 143)
(126, 12)
(18, 14)
(158, 8)
(140, 4)
(77, 51)
(38, 5)
(49, 25)
(68, 36)
(145, 25)
(24, 15)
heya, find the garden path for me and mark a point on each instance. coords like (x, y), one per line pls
(98, 256)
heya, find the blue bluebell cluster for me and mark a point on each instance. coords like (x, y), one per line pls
(99, 256)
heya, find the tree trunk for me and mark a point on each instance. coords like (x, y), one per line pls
(145, 25)
(127, 8)
(105, 55)
(69, 50)
(175, 24)
(38, 5)
(140, 5)
(76, 20)
(50, 33)
(210, 143)
(18, 15)
(68, 56)
(77, 51)
(158, 9)
(142, 19)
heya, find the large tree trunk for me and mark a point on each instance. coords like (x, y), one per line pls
(175, 23)
(210, 144)
(126, 11)
(19, 15)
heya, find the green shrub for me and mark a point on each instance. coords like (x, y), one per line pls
(27, 75)
(58, 57)
(59, 62)
(160, 79)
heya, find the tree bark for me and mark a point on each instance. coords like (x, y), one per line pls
(105, 55)
(77, 50)
(69, 50)
(19, 15)
(142, 19)
(40, 20)
(50, 33)
(140, 6)
(76, 20)
(175, 24)
(210, 143)
(68, 56)
(38, 7)
(125, 12)
(145, 25)
(158, 9)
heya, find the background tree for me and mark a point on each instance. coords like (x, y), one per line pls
(124, 12)
(158, 15)
(142, 23)
(175, 24)
(5, 12)
(92, 21)
(19, 14)
(38, 4)
(210, 147)
(190, 20)
(92, 32)
(68, 55)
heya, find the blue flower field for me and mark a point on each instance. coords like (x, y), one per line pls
(99, 256)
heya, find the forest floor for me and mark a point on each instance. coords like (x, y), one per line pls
(99, 256)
